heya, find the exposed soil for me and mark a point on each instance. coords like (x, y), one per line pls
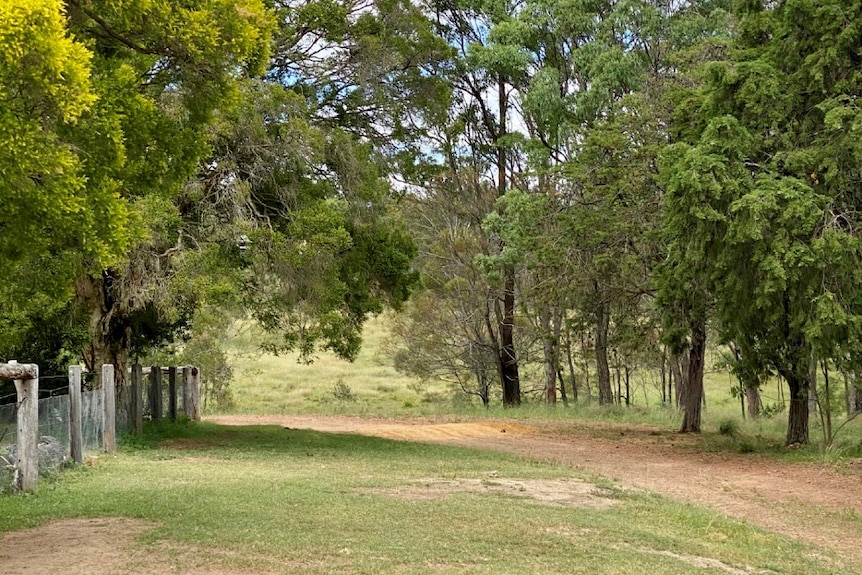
(106, 546)
(812, 503)
(564, 492)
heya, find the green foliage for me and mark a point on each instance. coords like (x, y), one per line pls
(761, 197)
(53, 222)
(728, 427)
(342, 392)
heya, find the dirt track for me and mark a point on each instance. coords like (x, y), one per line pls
(814, 503)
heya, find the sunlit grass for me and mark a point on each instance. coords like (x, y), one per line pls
(268, 384)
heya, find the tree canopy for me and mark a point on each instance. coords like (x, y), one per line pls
(575, 188)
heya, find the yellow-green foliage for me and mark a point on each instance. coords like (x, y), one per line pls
(44, 84)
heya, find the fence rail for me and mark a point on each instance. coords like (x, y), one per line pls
(86, 420)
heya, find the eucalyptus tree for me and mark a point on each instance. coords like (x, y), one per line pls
(589, 101)
(446, 332)
(473, 140)
(764, 185)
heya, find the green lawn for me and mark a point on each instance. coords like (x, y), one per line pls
(301, 501)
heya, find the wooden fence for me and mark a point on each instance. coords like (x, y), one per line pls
(26, 378)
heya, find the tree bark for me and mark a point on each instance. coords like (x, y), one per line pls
(752, 396)
(110, 333)
(563, 394)
(797, 422)
(573, 383)
(588, 388)
(508, 358)
(551, 319)
(693, 396)
(606, 394)
(549, 356)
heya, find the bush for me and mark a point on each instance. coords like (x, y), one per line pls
(342, 391)
(728, 427)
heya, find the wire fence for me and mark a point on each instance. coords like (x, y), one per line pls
(142, 397)
(54, 422)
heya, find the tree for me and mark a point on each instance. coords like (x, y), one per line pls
(765, 179)
(158, 73)
(447, 332)
(323, 251)
(53, 223)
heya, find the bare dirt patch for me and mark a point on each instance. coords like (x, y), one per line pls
(103, 546)
(812, 503)
(565, 492)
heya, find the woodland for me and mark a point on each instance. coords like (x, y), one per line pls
(569, 188)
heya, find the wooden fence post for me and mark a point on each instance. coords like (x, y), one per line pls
(187, 392)
(172, 393)
(26, 378)
(136, 406)
(156, 393)
(192, 393)
(76, 434)
(196, 394)
(109, 411)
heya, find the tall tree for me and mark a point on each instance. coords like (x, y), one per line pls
(766, 182)
(159, 71)
(53, 222)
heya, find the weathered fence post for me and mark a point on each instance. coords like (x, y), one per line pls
(26, 378)
(76, 434)
(187, 391)
(196, 394)
(192, 393)
(172, 393)
(156, 393)
(136, 406)
(109, 411)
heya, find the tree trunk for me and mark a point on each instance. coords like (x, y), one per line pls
(752, 396)
(110, 332)
(588, 388)
(550, 343)
(508, 360)
(606, 394)
(797, 422)
(849, 395)
(826, 404)
(628, 384)
(573, 384)
(812, 386)
(679, 370)
(694, 382)
(484, 391)
(563, 394)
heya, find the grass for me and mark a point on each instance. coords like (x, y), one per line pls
(285, 499)
(277, 500)
(269, 384)
(370, 386)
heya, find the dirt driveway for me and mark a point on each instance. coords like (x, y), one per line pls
(814, 503)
